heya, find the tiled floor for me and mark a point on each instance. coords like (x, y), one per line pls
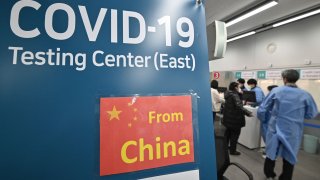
(307, 168)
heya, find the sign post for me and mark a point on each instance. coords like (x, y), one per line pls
(68, 68)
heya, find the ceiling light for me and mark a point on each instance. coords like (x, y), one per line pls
(241, 36)
(252, 12)
(297, 18)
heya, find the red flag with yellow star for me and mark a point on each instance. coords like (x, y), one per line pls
(139, 133)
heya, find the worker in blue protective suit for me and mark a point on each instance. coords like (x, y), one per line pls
(252, 83)
(282, 114)
(264, 125)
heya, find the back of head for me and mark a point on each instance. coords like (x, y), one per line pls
(252, 81)
(290, 75)
(233, 86)
(214, 84)
(241, 81)
(271, 87)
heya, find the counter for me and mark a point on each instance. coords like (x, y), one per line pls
(250, 135)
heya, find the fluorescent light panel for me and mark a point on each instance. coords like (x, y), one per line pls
(251, 13)
(297, 18)
(241, 36)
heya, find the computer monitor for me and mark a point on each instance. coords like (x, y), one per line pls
(222, 89)
(249, 96)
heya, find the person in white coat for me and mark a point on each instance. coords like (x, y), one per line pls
(216, 99)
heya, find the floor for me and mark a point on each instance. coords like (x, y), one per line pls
(307, 168)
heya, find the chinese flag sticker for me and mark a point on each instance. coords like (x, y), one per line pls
(139, 133)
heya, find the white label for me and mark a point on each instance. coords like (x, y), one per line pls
(310, 74)
(188, 175)
(249, 75)
(273, 75)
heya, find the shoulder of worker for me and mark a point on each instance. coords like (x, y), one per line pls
(258, 88)
(288, 89)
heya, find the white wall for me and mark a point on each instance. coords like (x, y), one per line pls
(294, 43)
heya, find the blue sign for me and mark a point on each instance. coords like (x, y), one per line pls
(58, 58)
(261, 74)
(238, 75)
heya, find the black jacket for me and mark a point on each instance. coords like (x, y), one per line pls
(234, 112)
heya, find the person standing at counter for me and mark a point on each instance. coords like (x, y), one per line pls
(215, 98)
(283, 113)
(241, 87)
(252, 83)
(241, 84)
(233, 116)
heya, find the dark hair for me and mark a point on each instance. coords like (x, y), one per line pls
(290, 75)
(214, 84)
(242, 81)
(252, 81)
(233, 86)
(271, 87)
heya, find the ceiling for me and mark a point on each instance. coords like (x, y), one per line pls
(221, 9)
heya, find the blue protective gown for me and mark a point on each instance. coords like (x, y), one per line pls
(259, 95)
(282, 114)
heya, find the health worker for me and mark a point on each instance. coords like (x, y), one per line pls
(288, 106)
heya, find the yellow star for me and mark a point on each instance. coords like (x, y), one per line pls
(135, 109)
(129, 104)
(135, 118)
(129, 124)
(114, 113)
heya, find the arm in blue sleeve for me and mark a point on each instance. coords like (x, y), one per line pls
(311, 108)
(259, 96)
(265, 107)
